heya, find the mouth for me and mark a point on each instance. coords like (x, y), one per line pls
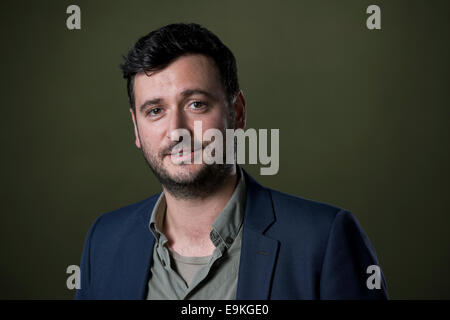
(183, 152)
(183, 155)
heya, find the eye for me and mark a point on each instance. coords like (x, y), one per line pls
(154, 111)
(197, 105)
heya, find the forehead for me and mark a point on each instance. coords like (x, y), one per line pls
(187, 72)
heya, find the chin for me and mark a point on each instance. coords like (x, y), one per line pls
(184, 172)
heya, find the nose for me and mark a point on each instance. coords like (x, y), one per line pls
(177, 120)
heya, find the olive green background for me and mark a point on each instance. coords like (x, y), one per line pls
(363, 118)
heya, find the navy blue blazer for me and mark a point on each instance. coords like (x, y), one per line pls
(292, 248)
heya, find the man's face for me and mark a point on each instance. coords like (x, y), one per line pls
(187, 90)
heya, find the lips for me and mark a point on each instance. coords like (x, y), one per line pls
(181, 157)
(181, 153)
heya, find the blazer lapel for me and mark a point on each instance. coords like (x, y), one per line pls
(136, 266)
(258, 252)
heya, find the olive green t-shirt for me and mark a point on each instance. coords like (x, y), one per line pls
(176, 277)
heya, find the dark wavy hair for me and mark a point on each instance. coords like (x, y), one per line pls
(159, 48)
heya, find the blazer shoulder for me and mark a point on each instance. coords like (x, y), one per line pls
(128, 215)
(301, 214)
(295, 206)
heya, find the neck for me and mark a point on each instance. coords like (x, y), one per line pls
(188, 222)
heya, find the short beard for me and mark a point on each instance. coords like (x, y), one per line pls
(202, 184)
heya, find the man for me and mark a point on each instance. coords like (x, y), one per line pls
(214, 232)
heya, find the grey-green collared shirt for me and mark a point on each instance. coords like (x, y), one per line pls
(217, 274)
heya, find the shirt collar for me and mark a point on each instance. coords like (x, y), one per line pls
(157, 217)
(229, 221)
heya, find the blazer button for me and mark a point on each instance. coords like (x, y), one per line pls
(229, 240)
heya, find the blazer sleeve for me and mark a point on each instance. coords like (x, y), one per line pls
(346, 269)
(85, 291)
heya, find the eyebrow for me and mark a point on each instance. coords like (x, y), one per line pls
(149, 103)
(186, 93)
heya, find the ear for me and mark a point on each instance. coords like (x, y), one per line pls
(239, 106)
(136, 133)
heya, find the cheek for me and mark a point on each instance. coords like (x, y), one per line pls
(149, 137)
(219, 124)
(219, 120)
